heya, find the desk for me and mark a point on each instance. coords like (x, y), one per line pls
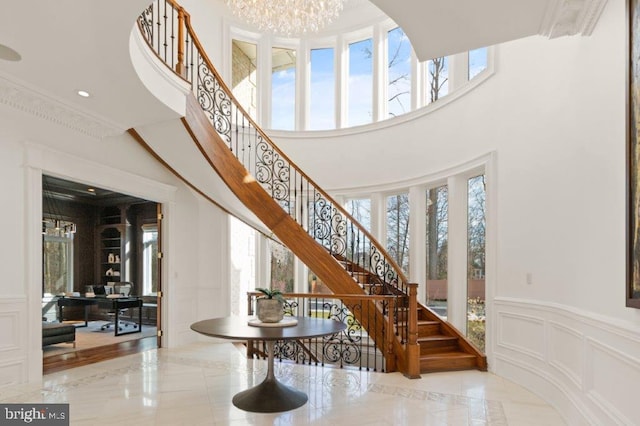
(115, 304)
(270, 396)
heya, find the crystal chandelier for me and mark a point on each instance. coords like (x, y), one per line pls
(287, 17)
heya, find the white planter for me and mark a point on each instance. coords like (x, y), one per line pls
(269, 310)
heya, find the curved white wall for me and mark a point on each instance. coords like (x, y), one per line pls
(553, 118)
(554, 115)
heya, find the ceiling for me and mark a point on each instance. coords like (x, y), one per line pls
(64, 190)
(69, 45)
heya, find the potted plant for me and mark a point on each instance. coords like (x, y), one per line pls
(269, 307)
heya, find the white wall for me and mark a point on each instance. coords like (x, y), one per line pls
(194, 231)
(553, 118)
(554, 114)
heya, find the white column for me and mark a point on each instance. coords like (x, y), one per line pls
(341, 84)
(263, 263)
(417, 246)
(457, 253)
(302, 86)
(417, 83)
(458, 70)
(263, 113)
(380, 72)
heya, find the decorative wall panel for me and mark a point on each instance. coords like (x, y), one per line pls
(521, 333)
(566, 351)
(587, 366)
(605, 384)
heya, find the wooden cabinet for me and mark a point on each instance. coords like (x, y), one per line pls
(113, 236)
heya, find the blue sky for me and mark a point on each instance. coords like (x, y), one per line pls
(360, 84)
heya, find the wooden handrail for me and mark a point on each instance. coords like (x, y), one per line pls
(185, 18)
(407, 348)
(382, 264)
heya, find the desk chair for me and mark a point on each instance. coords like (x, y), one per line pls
(123, 289)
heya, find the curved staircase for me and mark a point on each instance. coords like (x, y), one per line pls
(303, 217)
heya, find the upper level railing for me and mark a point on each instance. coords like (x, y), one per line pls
(167, 29)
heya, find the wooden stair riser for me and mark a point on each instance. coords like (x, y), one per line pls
(438, 345)
(315, 256)
(447, 362)
(428, 328)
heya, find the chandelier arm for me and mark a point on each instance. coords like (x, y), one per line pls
(287, 17)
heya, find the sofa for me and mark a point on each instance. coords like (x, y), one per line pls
(53, 333)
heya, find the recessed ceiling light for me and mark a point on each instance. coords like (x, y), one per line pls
(8, 54)
(91, 190)
(83, 93)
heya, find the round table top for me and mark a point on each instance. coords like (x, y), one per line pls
(239, 328)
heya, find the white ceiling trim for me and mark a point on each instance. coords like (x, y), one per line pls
(46, 107)
(571, 17)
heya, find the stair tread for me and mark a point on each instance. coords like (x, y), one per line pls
(437, 337)
(456, 354)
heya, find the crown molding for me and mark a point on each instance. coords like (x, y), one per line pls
(571, 17)
(48, 108)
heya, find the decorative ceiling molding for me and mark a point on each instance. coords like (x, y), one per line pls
(571, 17)
(46, 107)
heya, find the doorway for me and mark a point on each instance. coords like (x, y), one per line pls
(93, 238)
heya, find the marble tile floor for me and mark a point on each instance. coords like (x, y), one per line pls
(194, 384)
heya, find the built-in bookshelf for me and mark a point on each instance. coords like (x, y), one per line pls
(112, 236)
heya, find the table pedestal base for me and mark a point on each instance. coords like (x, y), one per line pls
(270, 396)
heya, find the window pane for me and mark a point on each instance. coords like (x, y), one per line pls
(244, 75)
(399, 78)
(282, 264)
(476, 261)
(57, 268)
(398, 229)
(322, 96)
(477, 61)
(360, 209)
(149, 260)
(436, 240)
(283, 89)
(316, 285)
(438, 78)
(359, 245)
(242, 248)
(360, 90)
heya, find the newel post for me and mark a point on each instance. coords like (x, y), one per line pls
(413, 347)
(180, 64)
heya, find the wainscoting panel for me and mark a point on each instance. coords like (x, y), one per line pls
(12, 372)
(521, 333)
(9, 337)
(604, 382)
(587, 366)
(13, 341)
(566, 351)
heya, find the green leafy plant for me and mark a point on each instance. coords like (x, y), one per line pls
(271, 294)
